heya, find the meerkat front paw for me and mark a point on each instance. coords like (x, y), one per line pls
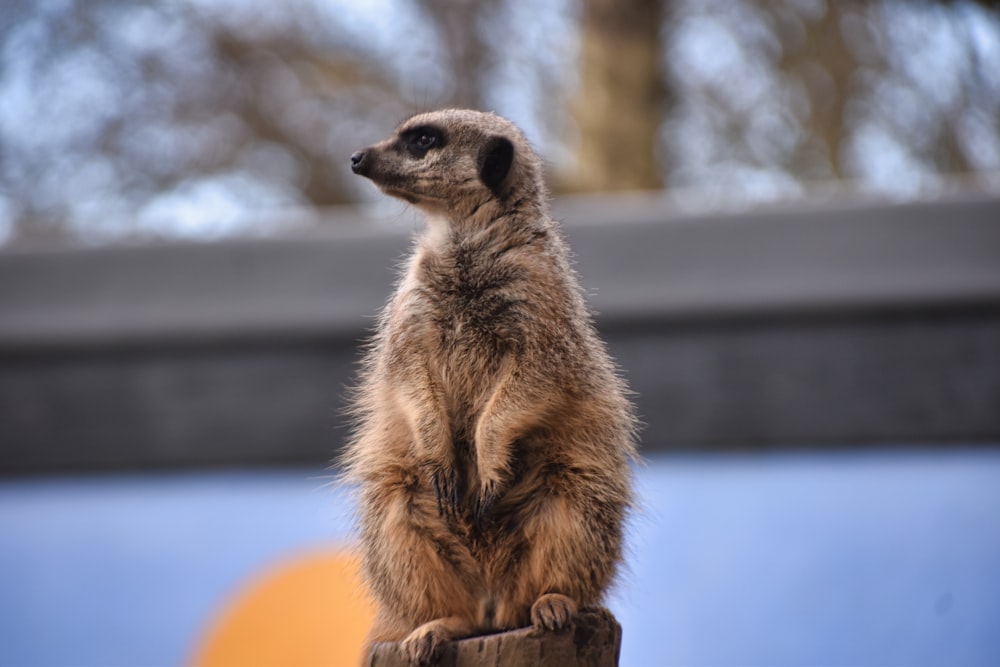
(423, 646)
(553, 611)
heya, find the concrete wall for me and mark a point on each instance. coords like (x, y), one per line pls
(835, 325)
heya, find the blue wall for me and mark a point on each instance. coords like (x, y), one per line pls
(839, 558)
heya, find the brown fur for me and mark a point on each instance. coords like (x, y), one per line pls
(493, 439)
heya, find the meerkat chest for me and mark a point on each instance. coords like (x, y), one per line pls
(475, 305)
(457, 329)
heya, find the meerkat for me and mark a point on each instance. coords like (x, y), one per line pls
(493, 433)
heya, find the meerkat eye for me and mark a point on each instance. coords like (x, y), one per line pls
(419, 140)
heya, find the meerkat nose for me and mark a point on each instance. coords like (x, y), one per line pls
(358, 161)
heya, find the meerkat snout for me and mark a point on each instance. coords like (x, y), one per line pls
(358, 162)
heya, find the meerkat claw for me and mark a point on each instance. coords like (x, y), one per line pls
(485, 501)
(446, 492)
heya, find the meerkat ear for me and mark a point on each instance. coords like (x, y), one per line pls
(495, 158)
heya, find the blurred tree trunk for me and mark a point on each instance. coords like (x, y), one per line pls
(620, 107)
(825, 64)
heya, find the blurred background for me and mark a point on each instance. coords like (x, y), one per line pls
(786, 215)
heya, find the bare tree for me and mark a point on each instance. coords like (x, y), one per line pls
(773, 95)
(462, 27)
(118, 115)
(129, 105)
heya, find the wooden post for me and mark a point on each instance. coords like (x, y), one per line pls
(594, 640)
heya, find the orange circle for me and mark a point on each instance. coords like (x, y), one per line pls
(308, 612)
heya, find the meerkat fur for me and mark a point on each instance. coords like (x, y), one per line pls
(493, 435)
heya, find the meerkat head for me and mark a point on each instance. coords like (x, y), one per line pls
(453, 161)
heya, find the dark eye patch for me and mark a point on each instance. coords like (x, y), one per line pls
(418, 140)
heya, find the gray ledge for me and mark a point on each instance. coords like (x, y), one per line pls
(641, 266)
